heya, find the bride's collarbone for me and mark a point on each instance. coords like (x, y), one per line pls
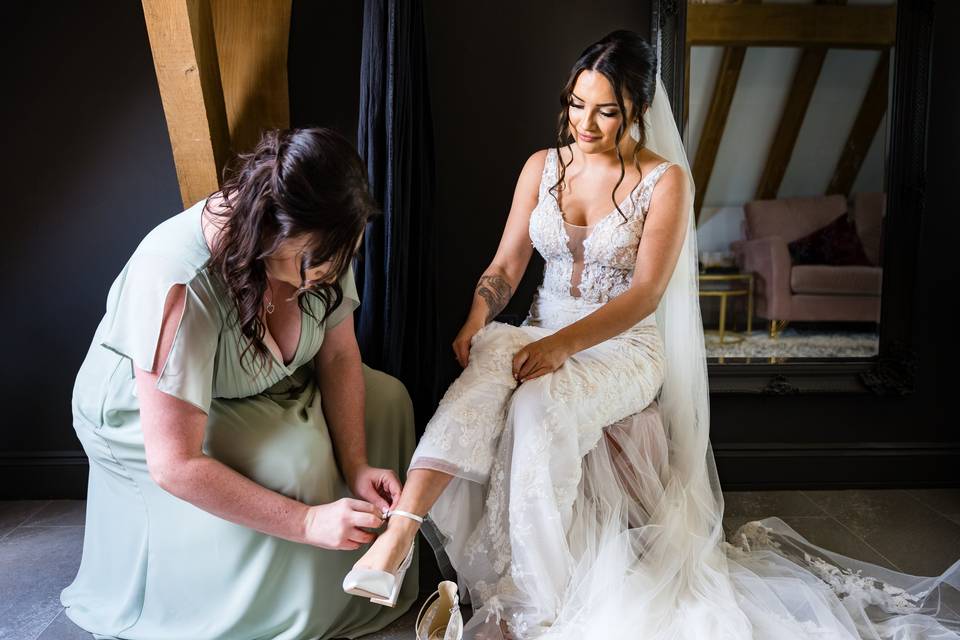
(590, 209)
(596, 203)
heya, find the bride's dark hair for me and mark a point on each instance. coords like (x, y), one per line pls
(629, 62)
(296, 183)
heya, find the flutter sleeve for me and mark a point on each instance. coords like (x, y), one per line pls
(135, 308)
(351, 300)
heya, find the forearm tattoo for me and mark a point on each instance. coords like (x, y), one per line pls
(495, 291)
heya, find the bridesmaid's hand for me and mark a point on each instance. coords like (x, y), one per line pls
(461, 344)
(337, 525)
(380, 487)
(540, 357)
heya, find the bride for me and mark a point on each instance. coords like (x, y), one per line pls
(567, 475)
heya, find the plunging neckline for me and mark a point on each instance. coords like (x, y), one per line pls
(296, 350)
(639, 184)
(589, 226)
(202, 238)
(592, 228)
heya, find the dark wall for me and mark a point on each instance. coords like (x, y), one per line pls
(87, 170)
(323, 64)
(940, 232)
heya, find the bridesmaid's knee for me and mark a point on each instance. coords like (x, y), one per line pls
(291, 458)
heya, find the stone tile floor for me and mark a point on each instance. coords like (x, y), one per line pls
(916, 531)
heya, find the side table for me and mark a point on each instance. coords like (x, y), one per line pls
(732, 289)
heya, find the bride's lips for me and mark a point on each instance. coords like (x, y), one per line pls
(587, 138)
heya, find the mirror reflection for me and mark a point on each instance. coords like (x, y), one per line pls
(786, 129)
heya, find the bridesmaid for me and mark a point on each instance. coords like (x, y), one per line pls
(240, 452)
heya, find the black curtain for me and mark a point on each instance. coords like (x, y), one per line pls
(396, 275)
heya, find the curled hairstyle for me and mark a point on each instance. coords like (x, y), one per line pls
(629, 62)
(296, 184)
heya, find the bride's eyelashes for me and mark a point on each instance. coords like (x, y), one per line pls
(608, 114)
(603, 113)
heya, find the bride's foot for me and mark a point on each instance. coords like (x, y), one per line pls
(391, 547)
(378, 575)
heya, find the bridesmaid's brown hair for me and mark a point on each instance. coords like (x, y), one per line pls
(295, 182)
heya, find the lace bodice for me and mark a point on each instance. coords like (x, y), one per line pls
(594, 262)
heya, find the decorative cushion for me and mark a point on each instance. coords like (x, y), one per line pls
(836, 244)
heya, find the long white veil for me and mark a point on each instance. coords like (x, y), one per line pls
(669, 573)
(685, 396)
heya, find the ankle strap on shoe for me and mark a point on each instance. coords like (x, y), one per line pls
(398, 512)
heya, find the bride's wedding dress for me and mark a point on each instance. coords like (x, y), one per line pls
(584, 503)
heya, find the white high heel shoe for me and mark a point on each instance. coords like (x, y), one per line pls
(382, 587)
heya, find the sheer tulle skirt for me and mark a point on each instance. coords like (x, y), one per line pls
(565, 519)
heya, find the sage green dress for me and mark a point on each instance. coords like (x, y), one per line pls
(155, 566)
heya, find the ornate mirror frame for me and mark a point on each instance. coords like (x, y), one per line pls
(893, 372)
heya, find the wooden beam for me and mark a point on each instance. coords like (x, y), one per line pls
(792, 25)
(716, 120)
(185, 58)
(252, 43)
(864, 129)
(788, 129)
(795, 109)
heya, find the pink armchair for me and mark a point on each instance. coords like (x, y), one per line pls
(785, 291)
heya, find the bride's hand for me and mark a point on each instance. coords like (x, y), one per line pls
(538, 358)
(461, 344)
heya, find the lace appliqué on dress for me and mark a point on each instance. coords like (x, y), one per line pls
(610, 251)
(473, 423)
(846, 583)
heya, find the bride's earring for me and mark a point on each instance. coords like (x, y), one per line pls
(635, 130)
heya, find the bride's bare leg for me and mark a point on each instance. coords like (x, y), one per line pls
(421, 490)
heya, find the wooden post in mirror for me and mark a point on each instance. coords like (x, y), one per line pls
(823, 155)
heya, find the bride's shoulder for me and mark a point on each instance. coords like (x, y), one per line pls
(670, 172)
(531, 177)
(533, 168)
(651, 160)
(538, 159)
(671, 186)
